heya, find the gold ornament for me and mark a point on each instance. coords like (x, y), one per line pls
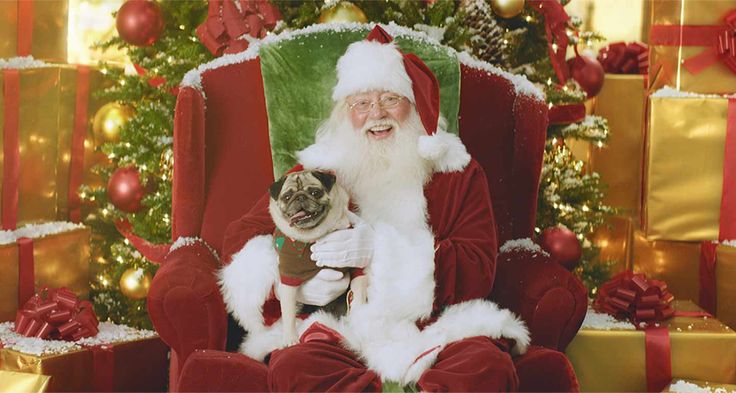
(134, 283)
(507, 8)
(343, 11)
(108, 121)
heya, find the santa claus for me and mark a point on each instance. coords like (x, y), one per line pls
(423, 233)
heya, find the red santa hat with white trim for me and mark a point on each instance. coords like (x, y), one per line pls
(377, 64)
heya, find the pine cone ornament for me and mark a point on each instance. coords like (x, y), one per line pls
(487, 41)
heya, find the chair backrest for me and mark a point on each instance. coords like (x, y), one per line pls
(240, 119)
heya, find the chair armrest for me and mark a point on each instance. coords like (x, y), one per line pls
(548, 298)
(184, 302)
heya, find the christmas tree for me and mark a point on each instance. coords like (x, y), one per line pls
(159, 38)
(137, 200)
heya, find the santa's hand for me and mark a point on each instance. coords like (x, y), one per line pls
(351, 248)
(323, 288)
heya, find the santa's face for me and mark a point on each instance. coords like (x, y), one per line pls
(378, 114)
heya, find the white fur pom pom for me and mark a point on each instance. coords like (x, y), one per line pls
(445, 150)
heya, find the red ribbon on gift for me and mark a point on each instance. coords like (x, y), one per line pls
(623, 58)
(25, 27)
(555, 24)
(228, 20)
(56, 314)
(636, 298)
(719, 40)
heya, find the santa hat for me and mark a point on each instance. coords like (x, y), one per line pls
(377, 64)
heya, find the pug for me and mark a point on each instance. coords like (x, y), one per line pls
(306, 206)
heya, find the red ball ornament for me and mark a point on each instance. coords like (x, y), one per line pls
(563, 245)
(140, 22)
(588, 72)
(125, 189)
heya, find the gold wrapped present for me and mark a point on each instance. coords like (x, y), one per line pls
(688, 48)
(675, 263)
(611, 357)
(622, 102)
(614, 238)
(717, 272)
(50, 137)
(33, 27)
(60, 257)
(136, 363)
(690, 386)
(13, 382)
(683, 174)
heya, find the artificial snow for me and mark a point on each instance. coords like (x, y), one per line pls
(730, 243)
(689, 387)
(193, 78)
(109, 333)
(603, 321)
(190, 241)
(525, 244)
(671, 92)
(22, 63)
(35, 231)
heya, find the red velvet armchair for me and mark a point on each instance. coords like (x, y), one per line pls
(221, 126)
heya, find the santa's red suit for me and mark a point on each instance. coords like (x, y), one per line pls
(461, 218)
(433, 264)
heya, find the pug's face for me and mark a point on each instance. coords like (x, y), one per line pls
(303, 198)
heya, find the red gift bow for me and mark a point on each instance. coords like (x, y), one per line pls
(636, 298)
(623, 58)
(227, 22)
(720, 40)
(56, 314)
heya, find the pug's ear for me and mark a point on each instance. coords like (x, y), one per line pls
(327, 179)
(275, 188)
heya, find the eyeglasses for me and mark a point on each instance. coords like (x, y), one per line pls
(366, 105)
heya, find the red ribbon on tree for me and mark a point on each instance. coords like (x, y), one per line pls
(228, 20)
(56, 314)
(566, 114)
(623, 58)
(555, 24)
(719, 40)
(636, 298)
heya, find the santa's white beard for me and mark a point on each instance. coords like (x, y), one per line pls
(386, 177)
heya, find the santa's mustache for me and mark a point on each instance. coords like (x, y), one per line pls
(379, 123)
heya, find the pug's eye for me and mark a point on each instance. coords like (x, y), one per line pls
(287, 196)
(317, 193)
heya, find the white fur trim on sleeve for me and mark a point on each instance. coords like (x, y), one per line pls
(446, 151)
(246, 282)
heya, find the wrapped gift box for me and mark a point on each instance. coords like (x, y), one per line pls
(119, 358)
(684, 45)
(14, 382)
(609, 355)
(34, 28)
(690, 386)
(60, 258)
(683, 174)
(622, 102)
(614, 238)
(724, 287)
(46, 111)
(676, 263)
